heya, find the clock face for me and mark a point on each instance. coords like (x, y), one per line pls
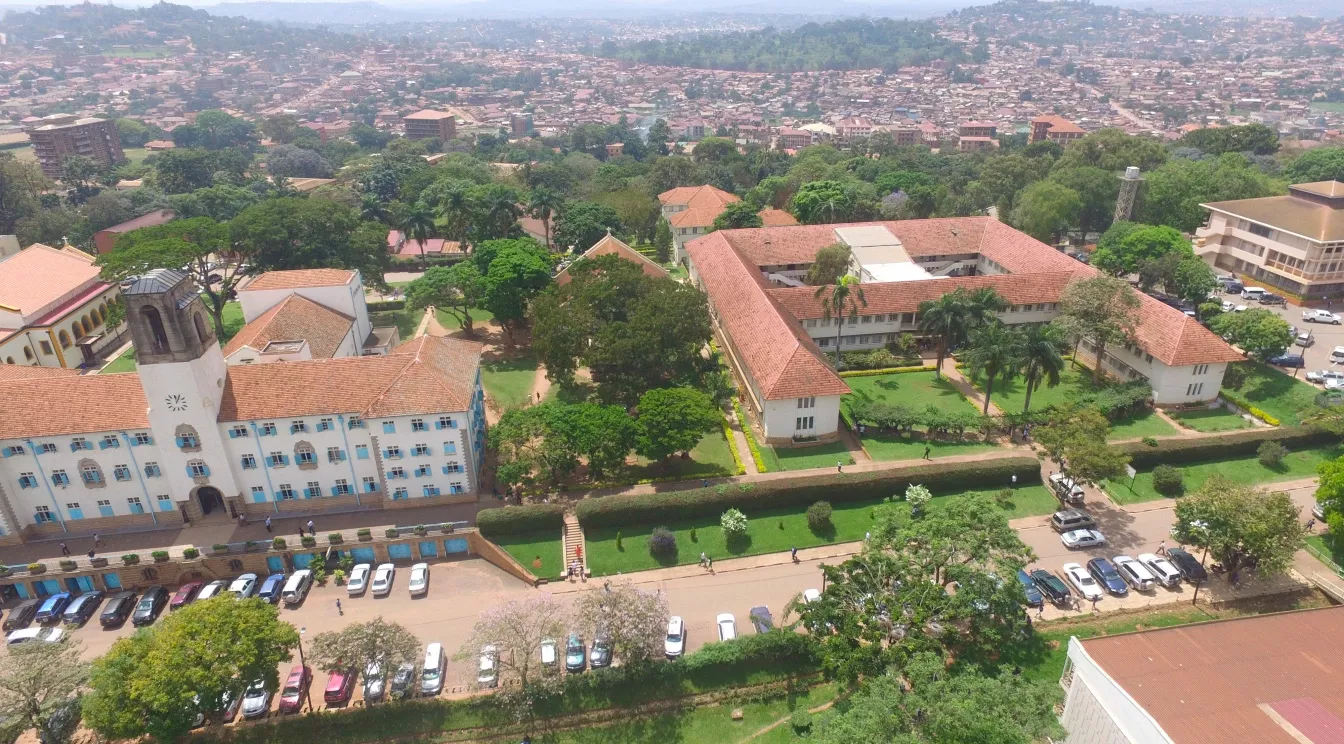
(177, 403)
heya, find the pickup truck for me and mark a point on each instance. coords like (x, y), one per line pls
(1321, 316)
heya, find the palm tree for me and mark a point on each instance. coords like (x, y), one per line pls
(543, 204)
(370, 208)
(996, 353)
(951, 318)
(846, 295)
(418, 224)
(457, 210)
(1042, 357)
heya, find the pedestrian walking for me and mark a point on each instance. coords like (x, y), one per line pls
(1094, 603)
(64, 550)
(311, 529)
(96, 540)
(1162, 548)
(709, 563)
(839, 467)
(90, 553)
(704, 483)
(268, 524)
(793, 552)
(242, 520)
(339, 611)
(927, 450)
(606, 586)
(1040, 612)
(1311, 524)
(867, 536)
(703, 559)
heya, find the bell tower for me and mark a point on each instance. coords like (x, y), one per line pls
(182, 371)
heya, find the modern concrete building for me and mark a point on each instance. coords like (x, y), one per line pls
(60, 136)
(1293, 244)
(429, 124)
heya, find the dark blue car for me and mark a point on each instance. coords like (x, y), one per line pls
(271, 588)
(1289, 360)
(1106, 575)
(52, 607)
(1034, 598)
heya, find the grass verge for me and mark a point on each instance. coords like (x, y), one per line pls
(1275, 393)
(1210, 420)
(529, 548)
(123, 363)
(508, 382)
(1243, 470)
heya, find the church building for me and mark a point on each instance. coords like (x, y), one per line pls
(189, 438)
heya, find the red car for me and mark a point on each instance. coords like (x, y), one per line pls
(291, 698)
(185, 595)
(340, 685)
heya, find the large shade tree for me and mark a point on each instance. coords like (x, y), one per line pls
(1102, 310)
(1240, 525)
(951, 318)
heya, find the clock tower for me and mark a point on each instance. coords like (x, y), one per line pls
(182, 372)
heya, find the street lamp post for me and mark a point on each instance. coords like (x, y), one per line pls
(307, 691)
(1202, 560)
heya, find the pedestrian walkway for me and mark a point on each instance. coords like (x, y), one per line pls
(572, 543)
(739, 443)
(964, 386)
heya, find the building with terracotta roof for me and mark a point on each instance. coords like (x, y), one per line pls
(1054, 128)
(52, 307)
(1269, 679)
(1293, 243)
(429, 124)
(106, 238)
(690, 212)
(775, 333)
(334, 322)
(189, 437)
(610, 245)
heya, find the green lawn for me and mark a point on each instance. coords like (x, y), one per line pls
(886, 447)
(1243, 470)
(406, 321)
(1275, 393)
(710, 458)
(508, 382)
(123, 363)
(850, 521)
(915, 390)
(527, 548)
(1073, 382)
(1328, 546)
(804, 458)
(1211, 419)
(136, 155)
(232, 318)
(479, 318)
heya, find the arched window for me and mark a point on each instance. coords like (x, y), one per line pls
(91, 474)
(27, 354)
(305, 456)
(97, 316)
(64, 339)
(89, 322)
(201, 334)
(9, 360)
(78, 328)
(157, 335)
(188, 439)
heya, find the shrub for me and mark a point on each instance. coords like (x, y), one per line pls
(278, 543)
(391, 532)
(1149, 441)
(308, 541)
(694, 538)
(513, 520)
(338, 576)
(918, 497)
(335, 538)
(1168, 480)
(130, 559)
(801, 721)
(819, 516)
(662, 543)
(1003, 498)
(159, 556)
(191, 554)
(1221, 446)
(384, 305)
(68, 565)
(250, 545)
(364, 533)
(646, 509)
(1243, 403)
(619, 546)
(1271, 454)
(37, 568)
(733, 522)
(220, 547)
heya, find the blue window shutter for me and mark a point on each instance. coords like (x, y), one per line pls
(74, 446)
(190, 474)
(181, 442)
(284, 459)
(233, 433)
(205, 470)
(7, 452)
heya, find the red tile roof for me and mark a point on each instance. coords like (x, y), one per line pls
(40, 275)
(703, 204)
(780, 358)
(11, 372)
(771, 217)
(904, 297)
(50, 406)
(292, 319)
(611, 245)
(299, 278)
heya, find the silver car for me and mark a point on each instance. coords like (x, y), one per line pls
(1082, 539)
(257, 700)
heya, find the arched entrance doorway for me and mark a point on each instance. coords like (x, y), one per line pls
(210, 499)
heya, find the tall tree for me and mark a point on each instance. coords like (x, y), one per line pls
(952, 317)
(831, 263)
(1316, 164)
(838, 301)
(543, 204)
(516, 629)
(1240, 524)
(39, 685)
(358, 645)
(1103, 310)
(1127, 245)
(1042, 358)
(21, 186)
(417, 223)
(298, 233)
(582, 224)
(633, 620)
(995, 352)
(518, 272)
(662, 241)
(1046, 210)
(1113, 150)
(1173, 193)
(1097, 189)
(1257, 331)
(1076, 438)
(736, 216)
(456, 289)
(673, 420)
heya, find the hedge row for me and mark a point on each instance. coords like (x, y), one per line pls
(1245, 404)
(517, 520)
(386, 305)
(740, 469)
(619, 511)
(887, 371)
(751, 439)
(1220, 446)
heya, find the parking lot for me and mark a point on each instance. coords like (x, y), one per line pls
(1325, 337)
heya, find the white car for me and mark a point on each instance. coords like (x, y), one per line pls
(1228, 306)
(1082, 539)
(1337, 354)
(382, 579)
(1326, 376)
(358, 582)
(487, 673)
(49, 635)
(1305, 339)
(1161, 568)
(811, 595)
(211, 589)
(1134, 573)
(675, 643)
(1082, 581)
(1321, 316)
(419, 583)
(727, 626)
(1239, 309)
(244, 586)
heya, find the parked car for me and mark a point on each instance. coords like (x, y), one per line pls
(1188, 565)
(22, 614)
(1252, 293)
(382, 579)
(212, 589)
(1078, 539)
(1104, 572)
(1270, 298)
(1082, 581)
(674, 644)
(431, 671)
(52, 607)
(150, 605)
(1051, 586)
(81, 608)
(1304, 339)
(293, 693)
(296, 587)
(271, 588)
(1232, 286)
(1034, 598)
(550, 656)
(761, 619)
(117, 610)
(340, 686)
(359, 579)
(1066, 489)
(1163, 572)
(1071, 519)
(185, 595)
(400, 688)
(256, 700)
(375, 682)
(576, 656)
(419, 583)
(244, 586)
(811, 595)
(1337, 354)
(487, 670)
(1228, 306)
(1325, 376)
(1291, 361)
(1321, 316)
(599, 656)
(727, 626)
(46, 635)
(1134, 573)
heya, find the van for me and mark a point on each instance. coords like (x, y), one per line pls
(340, 685)
(297, 587)
(431, 674)
(1071, 519)
(1253, 293)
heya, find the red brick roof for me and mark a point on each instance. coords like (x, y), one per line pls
(611, 245)
(292, 319)
(771, 217)
(51, 406)
(904, 297)
(780, 358)
(11, 372)
(298, 278)
(703, 204)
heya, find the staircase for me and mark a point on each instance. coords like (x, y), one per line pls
(573, 543)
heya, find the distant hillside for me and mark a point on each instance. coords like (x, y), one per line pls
(854, 44)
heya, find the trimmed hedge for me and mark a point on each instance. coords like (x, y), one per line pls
(618, 511)
(887, 371)
(751, 439)
(1221, 446)
(386, 305)
(732, 446)
(515, 520)
(1243, 403)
